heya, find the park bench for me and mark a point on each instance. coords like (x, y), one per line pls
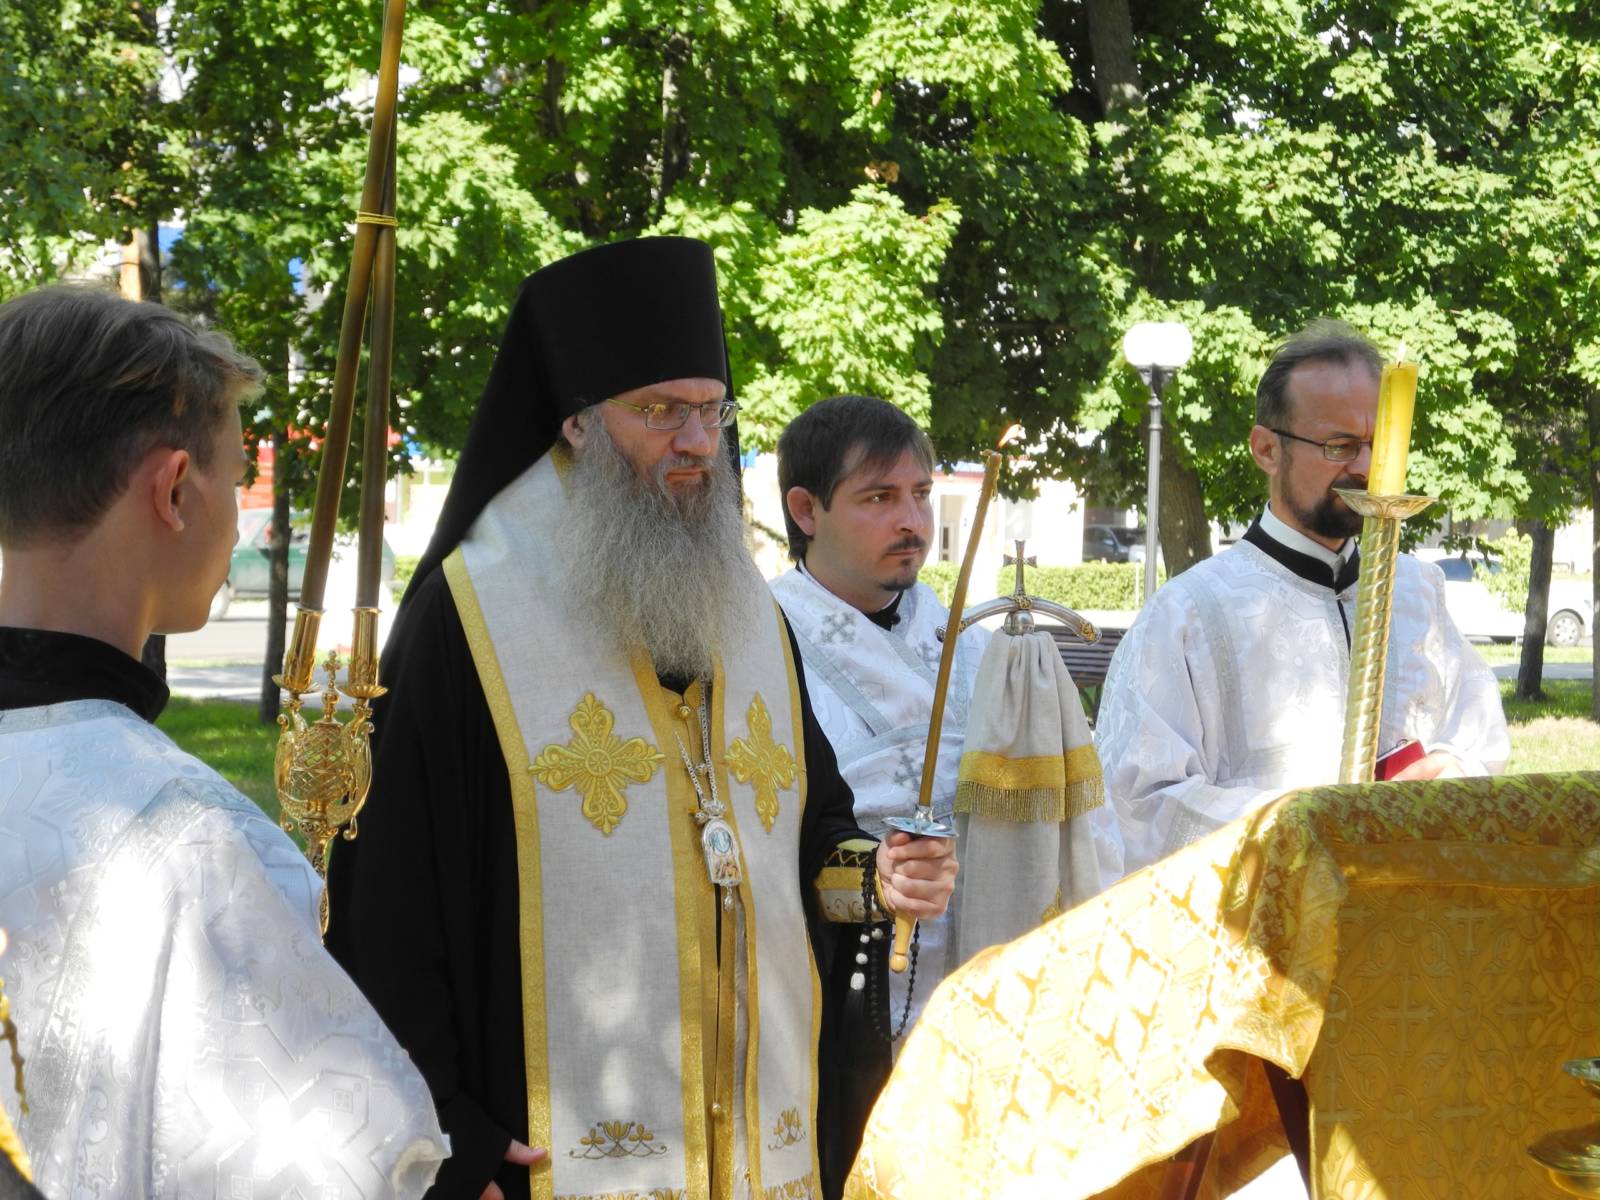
(1087, 662)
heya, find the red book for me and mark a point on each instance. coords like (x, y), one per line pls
(1397, 760)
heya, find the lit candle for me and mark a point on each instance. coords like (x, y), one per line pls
(1391, 436)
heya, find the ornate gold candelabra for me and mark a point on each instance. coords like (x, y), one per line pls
(324, 769)
(1369, 644)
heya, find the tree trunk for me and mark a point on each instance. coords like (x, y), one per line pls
(1184, 531)
(1116, 71)
(277, 579)
(1530, 674)
(1593, 468)
(674, 121)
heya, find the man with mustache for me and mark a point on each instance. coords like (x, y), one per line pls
(855, 474)
(589, 873)
(1229, 690)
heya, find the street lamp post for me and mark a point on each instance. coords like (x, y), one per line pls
(1156, 349)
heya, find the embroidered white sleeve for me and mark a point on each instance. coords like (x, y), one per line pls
(1158, 736)
(201, 1042)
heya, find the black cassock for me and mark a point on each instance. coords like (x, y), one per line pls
(424, 908)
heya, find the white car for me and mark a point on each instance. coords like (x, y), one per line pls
(1479, 613)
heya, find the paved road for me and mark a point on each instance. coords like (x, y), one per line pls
(226, 655)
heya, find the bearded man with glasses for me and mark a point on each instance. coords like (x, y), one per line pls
(604, 825)
(1229, 689)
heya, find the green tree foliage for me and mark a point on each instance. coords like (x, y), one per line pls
(959, 206)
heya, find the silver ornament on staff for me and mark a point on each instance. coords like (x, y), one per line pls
(922, 823)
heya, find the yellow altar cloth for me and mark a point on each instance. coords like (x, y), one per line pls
(1425, 955)
(11, 1147)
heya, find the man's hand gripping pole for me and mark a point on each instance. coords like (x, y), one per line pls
(924, 824)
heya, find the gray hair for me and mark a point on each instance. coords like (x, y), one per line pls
(1321, 341)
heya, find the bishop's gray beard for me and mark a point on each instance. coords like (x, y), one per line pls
(657, 568)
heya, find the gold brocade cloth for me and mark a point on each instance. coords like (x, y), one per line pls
(11, 1147)
(1425, 955)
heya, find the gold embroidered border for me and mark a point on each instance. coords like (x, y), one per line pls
(695, 917)
(530, 886)
(798, 741)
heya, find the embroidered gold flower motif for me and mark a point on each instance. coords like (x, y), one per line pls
(788, 1130)
(617, 1139)
(598, 763)
(763, 762)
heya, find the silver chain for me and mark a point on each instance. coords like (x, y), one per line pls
(709, 806)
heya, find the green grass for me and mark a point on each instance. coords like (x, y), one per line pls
(1495, 653)
(226, 736)
(1554, 734)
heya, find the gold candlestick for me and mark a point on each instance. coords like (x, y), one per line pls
(1369, 644)
(1572, 1156)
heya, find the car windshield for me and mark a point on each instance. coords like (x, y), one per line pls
(1128, 537)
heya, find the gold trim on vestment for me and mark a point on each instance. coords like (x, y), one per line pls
(728, 968)
(530, 887)
(695, 915)
(797, 737)
(1044, 788)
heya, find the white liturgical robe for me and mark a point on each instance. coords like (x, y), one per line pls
(872, 691)
(1229, 689)
(184, 1032)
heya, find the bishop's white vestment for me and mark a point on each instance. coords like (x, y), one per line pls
(184, 1032)
(1229, 689)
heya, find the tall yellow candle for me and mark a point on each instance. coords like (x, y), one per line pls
(1391, 436)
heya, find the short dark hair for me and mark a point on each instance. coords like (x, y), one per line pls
(89, 384)
(1320, 341)
(835, 437)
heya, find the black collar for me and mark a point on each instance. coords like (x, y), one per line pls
(888, 616)
(1307, 567)
(39, 667)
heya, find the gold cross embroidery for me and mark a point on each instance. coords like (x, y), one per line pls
(759, 760)
(598, 762)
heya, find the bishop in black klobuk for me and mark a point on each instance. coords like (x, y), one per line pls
(607, 841)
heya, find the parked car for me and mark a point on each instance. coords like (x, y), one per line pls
(250, 573)
(1479, 613)
(1112, 543)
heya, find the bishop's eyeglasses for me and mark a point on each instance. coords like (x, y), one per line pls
(1339, 449)
(713, 414)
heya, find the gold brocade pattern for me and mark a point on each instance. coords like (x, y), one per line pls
(598, 762)
(1425, 955)
(763, 762)
(838, 884)
(11, 1147)
(652, 1194)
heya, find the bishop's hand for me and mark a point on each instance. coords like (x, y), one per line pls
(517, 1153)
(917, 875)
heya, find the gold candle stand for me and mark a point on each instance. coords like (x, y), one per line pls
(1369, 645)
(323, 770)
(1572, 1156)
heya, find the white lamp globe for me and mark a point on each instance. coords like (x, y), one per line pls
(1164, 344)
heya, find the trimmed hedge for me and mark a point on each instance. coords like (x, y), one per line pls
(1096, 585)
(405, 566)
